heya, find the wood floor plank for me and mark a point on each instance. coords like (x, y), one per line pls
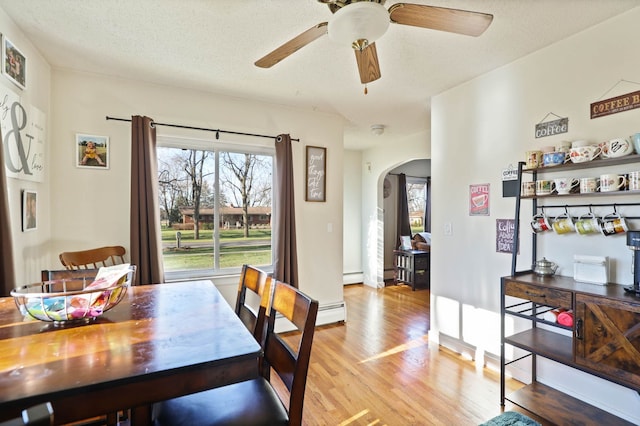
(379, 368)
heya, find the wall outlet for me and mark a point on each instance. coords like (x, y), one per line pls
(448, 228)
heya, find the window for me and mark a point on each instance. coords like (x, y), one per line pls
(416, 198)
(215, 206)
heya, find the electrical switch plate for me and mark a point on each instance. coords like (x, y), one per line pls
(448, 228)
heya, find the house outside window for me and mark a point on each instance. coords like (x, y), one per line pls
(215, 206)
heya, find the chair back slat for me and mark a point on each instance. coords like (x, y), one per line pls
(290, 363)
(93, 258)
(258, 282)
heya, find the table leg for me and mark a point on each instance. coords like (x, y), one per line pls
(141, 416)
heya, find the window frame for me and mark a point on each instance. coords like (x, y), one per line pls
(217, 146)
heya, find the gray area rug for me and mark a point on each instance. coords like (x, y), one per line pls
(511, 418)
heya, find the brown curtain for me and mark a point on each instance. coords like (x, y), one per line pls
(404, 226)
(7, 275)
(284, 220)
(146, 241)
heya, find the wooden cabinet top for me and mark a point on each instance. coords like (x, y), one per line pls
(611, 290)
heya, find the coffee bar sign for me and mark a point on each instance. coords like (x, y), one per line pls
(615, 105)
(550, 128)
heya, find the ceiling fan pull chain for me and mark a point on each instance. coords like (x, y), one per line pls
(365, 89)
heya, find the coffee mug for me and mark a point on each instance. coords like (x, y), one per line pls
(615, 148)
(587, 224)
(613, 224)
(611, 182)
(634, 181)
(534, 159)
(635, 139)
(589, 185)
(545, 187)
(563, 224)
(565, 185)
(584, 153)
(528, 188)
(553, 158)
(540, 223)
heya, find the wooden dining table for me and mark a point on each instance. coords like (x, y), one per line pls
(161, 341)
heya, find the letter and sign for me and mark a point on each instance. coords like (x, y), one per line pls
(551, 128)
(615, 105)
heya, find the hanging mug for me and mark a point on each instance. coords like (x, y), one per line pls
(563, 224)
(613, 224)
(540, 223)
(587, 224)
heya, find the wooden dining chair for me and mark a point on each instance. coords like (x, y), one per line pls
(256, 402)
(38, 415)
(257, 282)
(93, 258)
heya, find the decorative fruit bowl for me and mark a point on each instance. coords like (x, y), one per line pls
(70, 301)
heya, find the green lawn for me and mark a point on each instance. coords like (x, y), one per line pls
(193, 255)
(225, 234)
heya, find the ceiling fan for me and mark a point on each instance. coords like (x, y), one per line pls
(360, 23)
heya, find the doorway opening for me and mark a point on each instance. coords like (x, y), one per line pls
(417, 175)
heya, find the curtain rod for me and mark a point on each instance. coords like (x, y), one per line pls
(218, 131)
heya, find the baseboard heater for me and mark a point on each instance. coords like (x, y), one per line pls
(327, 314)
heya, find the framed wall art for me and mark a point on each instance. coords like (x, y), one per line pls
(29, 210)
(15, 63)
(479, 199)
(315, 173)
(92, 151)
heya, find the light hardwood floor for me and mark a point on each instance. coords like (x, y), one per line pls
(379, 368)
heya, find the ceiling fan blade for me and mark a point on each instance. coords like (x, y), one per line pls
(368, 66)
(292, 46)
(440, 18)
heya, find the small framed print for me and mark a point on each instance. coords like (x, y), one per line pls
(92, 151)
(15, 64)
(29, 210)
(316, 176)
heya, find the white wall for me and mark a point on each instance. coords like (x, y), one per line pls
(30, 248)
(352, 248)
(478, 130)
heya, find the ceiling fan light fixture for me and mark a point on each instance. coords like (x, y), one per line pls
(359, 24)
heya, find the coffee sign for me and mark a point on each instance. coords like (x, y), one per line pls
(615, 105)
(551, 128)
(505, 231)
(479, 199)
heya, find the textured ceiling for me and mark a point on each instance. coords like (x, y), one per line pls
(211, 45)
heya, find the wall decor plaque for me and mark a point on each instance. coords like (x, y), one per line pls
(316, 173)
(550, 128)
(615, 105)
